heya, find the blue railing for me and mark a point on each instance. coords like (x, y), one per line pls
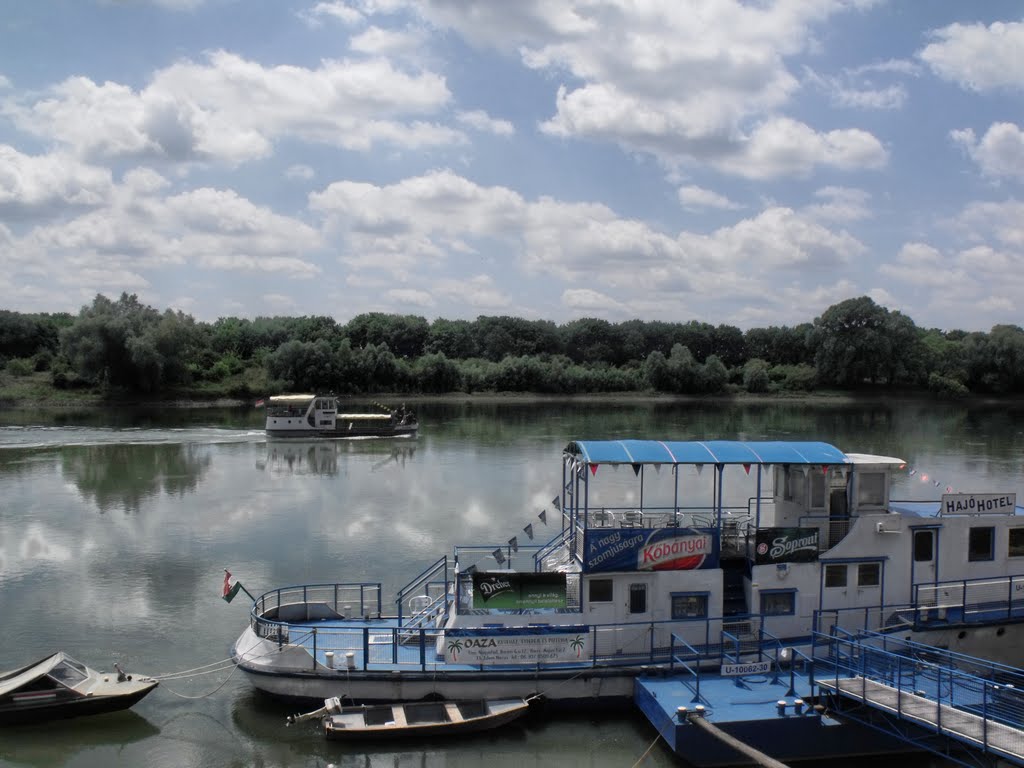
(934, 693)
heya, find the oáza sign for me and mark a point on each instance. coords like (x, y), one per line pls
(533, 645)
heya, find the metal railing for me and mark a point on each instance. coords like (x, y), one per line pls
(933, 692)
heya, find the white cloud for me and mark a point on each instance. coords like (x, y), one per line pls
(840, 204)
(300, 171)
(231, 110)
(404, 297)
(388, 42)
(857, 88)
(671, 80)
(48, 185)
(694, 198)
(481, 121)
(977, 57)
(1000, 152)
(583, 301)
(479, 292)
(785, 147)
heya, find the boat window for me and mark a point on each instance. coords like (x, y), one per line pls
(600, 590)
(817, 490)
(689, 605)
(869, 574)
(835, 575)
(798, 486)
(67, 674)
(979, 543)
(871, 489)
(778, 603)
(924, 546)
(638, 598)
(1016, 542)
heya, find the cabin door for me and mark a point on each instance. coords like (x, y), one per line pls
(924, 565)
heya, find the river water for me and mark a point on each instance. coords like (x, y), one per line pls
(116, 527)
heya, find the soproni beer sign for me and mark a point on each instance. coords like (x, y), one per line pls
(647, 549)
(786, 545)
(533, 645)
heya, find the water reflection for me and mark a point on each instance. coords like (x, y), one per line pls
(123, 476)
(322, 457)
(36, 745)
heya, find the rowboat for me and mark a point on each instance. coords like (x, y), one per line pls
(58, 687)
(413, 718)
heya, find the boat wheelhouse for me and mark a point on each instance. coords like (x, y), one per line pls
(720, 547)
(316, 416)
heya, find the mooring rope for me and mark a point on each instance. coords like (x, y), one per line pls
(647, 751)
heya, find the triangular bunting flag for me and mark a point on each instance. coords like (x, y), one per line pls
(558, 503)
(499, 555)
(636, 469)
(514, 543)
(657, 468)
(593, 469)
(824, 469)
(746, 468)
(543, 516)
(471, 570)
(699, 468)
(529, 530)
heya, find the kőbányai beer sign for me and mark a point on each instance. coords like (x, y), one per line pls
(785, 545)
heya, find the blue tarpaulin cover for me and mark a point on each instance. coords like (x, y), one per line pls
(704, 452)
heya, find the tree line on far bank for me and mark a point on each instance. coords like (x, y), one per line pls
(122, 346)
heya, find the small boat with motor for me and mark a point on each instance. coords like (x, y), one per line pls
(58, 687)
(312, 415)
(413, 718)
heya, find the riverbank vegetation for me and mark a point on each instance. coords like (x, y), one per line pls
(118, 348)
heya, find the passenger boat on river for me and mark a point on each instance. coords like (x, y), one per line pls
(315, 416)
(729, 550)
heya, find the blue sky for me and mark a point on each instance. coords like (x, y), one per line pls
(749, 163)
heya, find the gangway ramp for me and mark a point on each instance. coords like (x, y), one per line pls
(943, 697)
(1004, 740)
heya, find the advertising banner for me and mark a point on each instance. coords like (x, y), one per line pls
(529, 645)
(649, 549)
(785, 545)
(518, 591)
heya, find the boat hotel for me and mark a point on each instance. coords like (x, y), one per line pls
(718, 554)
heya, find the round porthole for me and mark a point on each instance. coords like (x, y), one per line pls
(1000, 632)
(961, 635)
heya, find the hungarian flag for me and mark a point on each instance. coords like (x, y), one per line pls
(230, 590)
(259, 403)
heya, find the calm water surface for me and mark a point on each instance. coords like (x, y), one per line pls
(116, 527)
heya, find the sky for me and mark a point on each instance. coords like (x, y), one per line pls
(742, 163)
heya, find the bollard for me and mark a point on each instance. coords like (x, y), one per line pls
(329, 656)
(350, 660)
(798, 706)
(699, 709)
(681, 714)
(781, 706)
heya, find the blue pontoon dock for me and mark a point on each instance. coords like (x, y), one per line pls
(860, 694)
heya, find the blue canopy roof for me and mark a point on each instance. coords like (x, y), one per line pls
(704, 452)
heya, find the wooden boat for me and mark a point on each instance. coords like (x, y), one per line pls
(310, 415)
(414, 718)
(58, 687)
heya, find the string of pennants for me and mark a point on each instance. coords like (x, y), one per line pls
(513, 543)
(924, 478)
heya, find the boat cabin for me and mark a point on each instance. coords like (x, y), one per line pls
(743, 537)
